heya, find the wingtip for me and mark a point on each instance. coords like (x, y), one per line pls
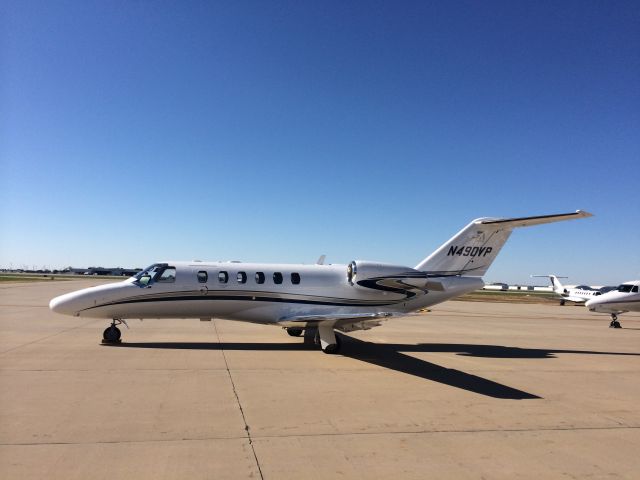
(584, 213)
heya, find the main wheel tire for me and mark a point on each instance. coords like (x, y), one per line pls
(331, 349)
(294, 332)
(111, 334)
(334, 348)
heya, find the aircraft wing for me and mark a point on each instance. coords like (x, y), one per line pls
(345, 322)
(575, 299)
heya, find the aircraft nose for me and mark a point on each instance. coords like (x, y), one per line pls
(77, 303)
(591, 304)
(65, 304)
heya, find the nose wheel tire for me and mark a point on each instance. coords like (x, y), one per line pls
(111, 334)
(614, 321)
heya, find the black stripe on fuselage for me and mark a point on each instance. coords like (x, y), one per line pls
(243, 296)
(611, 302)
(453, 273)
(372, 283)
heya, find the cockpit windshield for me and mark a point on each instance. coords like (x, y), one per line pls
(158, 272)
(625, 288)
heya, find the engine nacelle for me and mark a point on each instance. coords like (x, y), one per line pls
(383, 278)
(359, 270)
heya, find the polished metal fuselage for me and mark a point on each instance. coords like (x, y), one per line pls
(322, 290)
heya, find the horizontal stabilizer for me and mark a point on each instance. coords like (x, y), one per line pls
(530, 221)
(555, 283)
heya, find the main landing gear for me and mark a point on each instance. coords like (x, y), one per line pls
(112, 333)
(322, 336)
(614, 321)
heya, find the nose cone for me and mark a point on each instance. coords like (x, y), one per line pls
(65, 304)
(88, 302)
(592, 304)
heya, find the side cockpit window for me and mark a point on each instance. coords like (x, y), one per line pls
(625, 288)
(168, 275)
(634, 289)
(158, 272)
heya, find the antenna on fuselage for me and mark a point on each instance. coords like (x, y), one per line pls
(321, 260)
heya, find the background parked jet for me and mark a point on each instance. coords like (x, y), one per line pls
(578, 294)
(315, 299)
(625, 299)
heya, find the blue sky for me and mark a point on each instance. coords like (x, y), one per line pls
(133, 132)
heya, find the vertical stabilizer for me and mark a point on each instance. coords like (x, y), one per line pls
(555, 283)
(474, 248)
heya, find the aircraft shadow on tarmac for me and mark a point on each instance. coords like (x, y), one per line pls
(392, 356)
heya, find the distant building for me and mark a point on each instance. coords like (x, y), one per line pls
(113, 272)
(496, 286)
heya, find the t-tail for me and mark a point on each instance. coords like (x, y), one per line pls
(555, 283)
(472, 250)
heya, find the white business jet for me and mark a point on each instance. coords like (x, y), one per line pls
(577, 295)
(315, 299)
(626, 298)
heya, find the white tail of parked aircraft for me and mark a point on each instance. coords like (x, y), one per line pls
(315, 299)
(576, 294)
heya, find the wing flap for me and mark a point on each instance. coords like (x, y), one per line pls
(346, 322)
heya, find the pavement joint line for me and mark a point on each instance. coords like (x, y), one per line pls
(111, 370)
(334, 434)
(304, 371)
(124, 442)
(24, 305)
(453, 431)
(48, 336)
(235, 392)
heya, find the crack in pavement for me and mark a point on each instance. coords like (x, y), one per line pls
(244, 420)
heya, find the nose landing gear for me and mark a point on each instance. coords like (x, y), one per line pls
(614, 321)
(112, 333)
